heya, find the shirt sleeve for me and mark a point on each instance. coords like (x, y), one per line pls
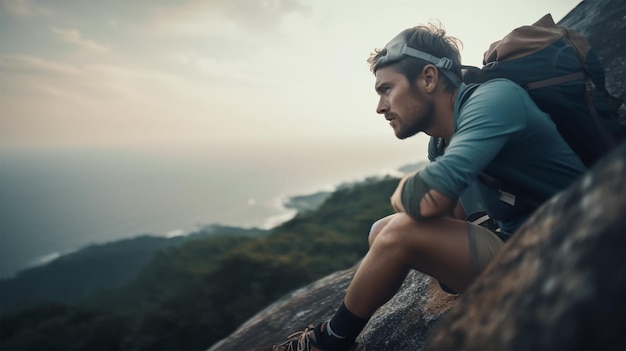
(488, 120)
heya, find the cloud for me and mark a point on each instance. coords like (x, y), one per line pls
(37, 77)
(22, 8)
(73, 36)
(258, 15)
(24, 63)
(49, 101)
(227, 28)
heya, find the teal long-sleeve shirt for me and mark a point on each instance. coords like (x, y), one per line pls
(500, 131)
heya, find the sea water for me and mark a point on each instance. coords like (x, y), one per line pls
(55, 201)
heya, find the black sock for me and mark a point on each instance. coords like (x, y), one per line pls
(341, 330)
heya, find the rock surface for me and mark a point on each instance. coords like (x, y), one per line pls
(402, 324)
(603, 23)
(558, 284)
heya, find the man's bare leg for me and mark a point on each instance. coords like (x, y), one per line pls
(437, 247)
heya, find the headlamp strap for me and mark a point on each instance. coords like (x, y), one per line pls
(443, 63)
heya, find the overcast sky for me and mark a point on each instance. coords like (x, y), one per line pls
(138, 73)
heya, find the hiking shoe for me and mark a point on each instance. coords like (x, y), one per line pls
(305, 341)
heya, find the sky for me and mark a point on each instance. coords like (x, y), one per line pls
(224, 74)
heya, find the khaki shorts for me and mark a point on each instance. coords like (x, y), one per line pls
(483, 246)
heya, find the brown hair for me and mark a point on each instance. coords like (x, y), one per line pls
(430, 38)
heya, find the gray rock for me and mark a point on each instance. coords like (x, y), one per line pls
(603, 23)
(401, 324)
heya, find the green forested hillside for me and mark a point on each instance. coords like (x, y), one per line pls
(100, 266)
(191, 296)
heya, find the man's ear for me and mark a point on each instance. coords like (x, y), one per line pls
(430, 77)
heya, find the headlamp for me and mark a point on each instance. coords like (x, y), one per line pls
(397, 49)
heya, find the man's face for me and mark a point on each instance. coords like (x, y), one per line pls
(408, 110)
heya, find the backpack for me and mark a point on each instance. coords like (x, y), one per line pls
(565, 79)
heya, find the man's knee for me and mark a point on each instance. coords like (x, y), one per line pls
(378, 227)
(395, 230)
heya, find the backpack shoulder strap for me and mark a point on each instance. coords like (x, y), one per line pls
(467, 93)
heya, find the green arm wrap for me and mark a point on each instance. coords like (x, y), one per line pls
(414, 189)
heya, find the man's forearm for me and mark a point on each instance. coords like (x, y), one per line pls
(420, 201)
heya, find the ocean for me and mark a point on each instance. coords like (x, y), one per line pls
(55, 201)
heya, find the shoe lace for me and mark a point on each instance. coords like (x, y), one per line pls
(298, 341)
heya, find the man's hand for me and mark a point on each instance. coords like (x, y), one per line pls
(396, 198)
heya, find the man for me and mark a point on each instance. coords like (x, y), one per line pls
(497, 130)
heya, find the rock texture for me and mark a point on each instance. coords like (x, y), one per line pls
(558, 284)
(402, 324)
(603, 23)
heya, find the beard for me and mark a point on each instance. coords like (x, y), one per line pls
(422, 116)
